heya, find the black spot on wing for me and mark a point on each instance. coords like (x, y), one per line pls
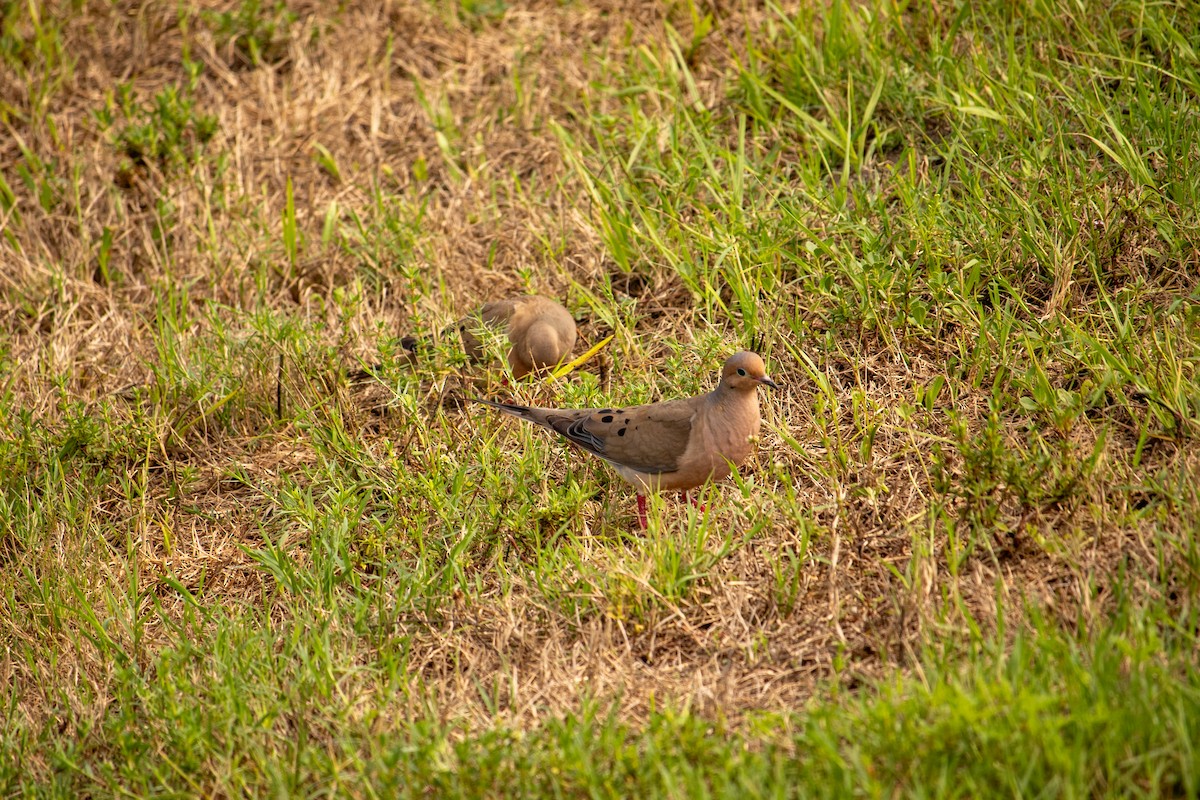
(607, 418)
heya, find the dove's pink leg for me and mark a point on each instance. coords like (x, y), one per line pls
(642, 511)
(692, 500)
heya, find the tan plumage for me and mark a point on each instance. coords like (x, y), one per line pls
(676, 444)
(540, 331)
(541, 334)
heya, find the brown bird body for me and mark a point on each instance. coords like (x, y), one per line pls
(676, 444)
(540, 331)
(541, 334)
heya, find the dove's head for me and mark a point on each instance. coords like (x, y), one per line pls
(745, 372)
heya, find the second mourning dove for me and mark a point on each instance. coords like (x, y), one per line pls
(540, 331)
(675, 444)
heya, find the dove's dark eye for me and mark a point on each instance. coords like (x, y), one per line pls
(742, 372)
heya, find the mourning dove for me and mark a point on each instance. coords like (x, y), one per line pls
(540, 331)
(676, 444)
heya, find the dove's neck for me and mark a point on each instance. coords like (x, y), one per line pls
(734, 401)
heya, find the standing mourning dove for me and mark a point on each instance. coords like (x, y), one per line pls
(540, 331)
(676, 444)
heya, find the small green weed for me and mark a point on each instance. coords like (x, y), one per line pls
(167, 132)
(255, 32)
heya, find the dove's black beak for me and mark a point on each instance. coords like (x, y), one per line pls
(766, 381)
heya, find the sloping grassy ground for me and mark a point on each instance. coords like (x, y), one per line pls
(963, 563)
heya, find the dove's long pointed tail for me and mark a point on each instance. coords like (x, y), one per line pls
(508, 408)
